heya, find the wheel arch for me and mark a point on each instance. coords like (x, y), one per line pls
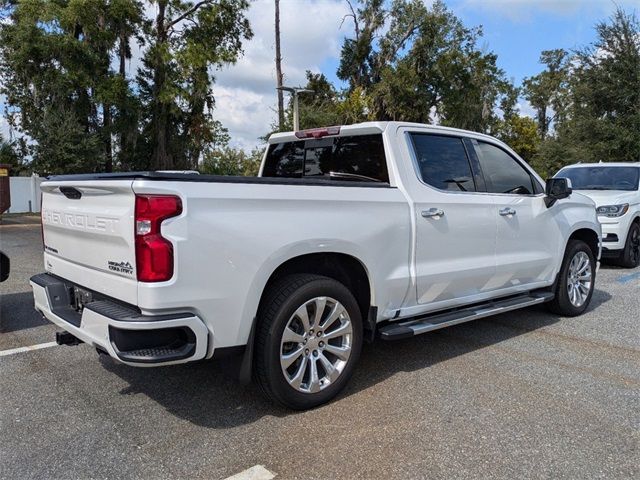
(588, 236)
(342, 267)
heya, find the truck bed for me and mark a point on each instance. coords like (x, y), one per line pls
(189, 177)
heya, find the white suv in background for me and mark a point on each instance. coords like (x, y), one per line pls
(615, 188)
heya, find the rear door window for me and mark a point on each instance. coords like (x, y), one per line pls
(359, 158)
(443, 163)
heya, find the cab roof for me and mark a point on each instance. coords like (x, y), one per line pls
(365, 128)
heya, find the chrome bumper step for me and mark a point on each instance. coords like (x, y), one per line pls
(416, 326)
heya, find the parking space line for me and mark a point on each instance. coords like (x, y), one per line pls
(4, 353)
(257, 472)
(628, 278)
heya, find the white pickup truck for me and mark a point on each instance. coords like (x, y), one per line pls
(388, 229)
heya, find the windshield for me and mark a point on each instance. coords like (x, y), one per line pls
(602, 178)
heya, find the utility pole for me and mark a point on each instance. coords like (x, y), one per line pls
(279, 75)
(295, 91)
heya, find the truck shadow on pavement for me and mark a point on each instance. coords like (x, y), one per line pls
(17, 313)
(208, 394)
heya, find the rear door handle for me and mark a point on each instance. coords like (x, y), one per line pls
(507, 211)
(433, 213)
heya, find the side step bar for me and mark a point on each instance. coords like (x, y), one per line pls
(416, 326)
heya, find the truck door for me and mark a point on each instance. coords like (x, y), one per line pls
(528, 237)
(455, 223)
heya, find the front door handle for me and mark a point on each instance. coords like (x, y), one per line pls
(433, 213)
(505, 212)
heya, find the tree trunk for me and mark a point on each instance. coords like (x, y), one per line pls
(543, 122)
(106, 106)
(160, 159)
(279, 75)
(106, 130)
(122, 53)
(122, 50)
(198, 129)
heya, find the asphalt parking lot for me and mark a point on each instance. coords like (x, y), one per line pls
(522, 395)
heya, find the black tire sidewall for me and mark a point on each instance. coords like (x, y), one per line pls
(562, 295)
(626, 260)
(280, 388)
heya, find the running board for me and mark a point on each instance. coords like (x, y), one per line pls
(416, 326)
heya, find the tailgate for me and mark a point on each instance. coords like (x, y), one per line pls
(88, 230)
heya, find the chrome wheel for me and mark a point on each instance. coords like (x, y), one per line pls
(316, 344)
(579, 279)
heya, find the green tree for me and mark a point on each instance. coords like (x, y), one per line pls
(63, 65)
(187, 41)
(10, 155)
(323, 106)
(55, 71)
(605, 89)
(521, 134)
(418, 63)
(601, 121)
(547, 91)
(318, 109)
(232, 161)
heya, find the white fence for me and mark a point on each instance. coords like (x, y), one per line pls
(25, 194)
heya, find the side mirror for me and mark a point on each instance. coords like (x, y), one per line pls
(557, 189)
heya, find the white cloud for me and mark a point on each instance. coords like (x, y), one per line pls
(245, 93)
(246, 113)
(525, 108)
(4, 128)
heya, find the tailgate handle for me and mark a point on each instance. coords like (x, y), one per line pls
(70, 192)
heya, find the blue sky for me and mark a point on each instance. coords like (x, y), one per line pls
(516, 30)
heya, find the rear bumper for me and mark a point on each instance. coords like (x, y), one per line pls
(121, 331)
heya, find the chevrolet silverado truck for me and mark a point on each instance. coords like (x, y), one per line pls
(382, 229)
(615, 189)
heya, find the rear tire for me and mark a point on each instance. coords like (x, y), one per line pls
(308, 340)
(576, 280)
(630, 256)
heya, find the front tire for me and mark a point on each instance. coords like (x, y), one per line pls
(308, 339)
(630, 256)
(576, 280)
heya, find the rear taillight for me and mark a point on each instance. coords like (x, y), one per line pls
(154, 253)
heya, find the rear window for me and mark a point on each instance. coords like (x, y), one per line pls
(357, 158)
